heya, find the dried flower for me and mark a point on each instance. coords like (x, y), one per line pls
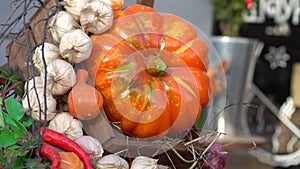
(215, 158)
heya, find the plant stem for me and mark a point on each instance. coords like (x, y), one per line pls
(179, 155)
(3, 95)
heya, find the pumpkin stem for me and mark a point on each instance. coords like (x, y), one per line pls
(155, 66)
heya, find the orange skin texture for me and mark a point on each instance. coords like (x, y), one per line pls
(117, 4)
(70, 160)
(152, 72)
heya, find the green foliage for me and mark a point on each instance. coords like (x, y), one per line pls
(14, 108)
(29, 142)
(17, 143)
(34, 164)
(7, 138)
(12, 126)
(229, 15)
(11, 78)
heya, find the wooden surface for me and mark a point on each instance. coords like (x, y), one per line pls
(146, 2)
(19, 50)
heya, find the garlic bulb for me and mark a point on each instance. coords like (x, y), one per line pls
(61, 77)
(112, 161)
(66, 124)
(36, 100)
(51, 52)
(75, 46)
(91, 146)
(61, 23)
(34, 82)
(142, 162)
(74, 7)
(96, 17)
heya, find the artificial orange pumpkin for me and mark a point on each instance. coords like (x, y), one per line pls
(152, 71)
(70, 160)
(84, 101)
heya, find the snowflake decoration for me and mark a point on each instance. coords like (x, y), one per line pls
(277, 57)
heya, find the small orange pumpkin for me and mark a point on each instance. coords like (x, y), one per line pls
(70, 160)
(84, 101)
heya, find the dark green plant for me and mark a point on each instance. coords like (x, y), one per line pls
(8, 78)
(228, 14)
(17, 143)
(35, 163)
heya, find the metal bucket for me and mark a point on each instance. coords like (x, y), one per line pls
(240, 56)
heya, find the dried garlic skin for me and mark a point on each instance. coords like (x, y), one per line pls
(91, 146)
(51, 52)
(61, 77)
(112, 161)
(36, 82)
(65, 123)
(96, 17)
(74, 7)
(60, 24)
(36, 99)
(142, 162)
(75, 46)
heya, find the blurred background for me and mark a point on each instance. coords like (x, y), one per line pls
(275, 72)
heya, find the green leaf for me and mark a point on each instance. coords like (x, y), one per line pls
(12, 77)
(2, 123)
(26, 121)
(18, 163)
(13, 147)
(9, 121)
(7, 138)
(20, 89)
(20, 130)
(16, 126)
(6, 72)
(16, 153)
(15, 78)
(14, 108)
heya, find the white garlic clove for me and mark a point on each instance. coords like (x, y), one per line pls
(91, 146)
(61, 23)
(142, 162)
(61, 77)
(51, 52)
(74, 7)
(36, 103)
(35, 82)
(66, 124)
(107, 166)
(96, 17)
(75, 46)
(112, 161)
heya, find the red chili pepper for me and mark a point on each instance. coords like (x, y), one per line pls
(61, 141)
(50, 153)
(2, 81)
